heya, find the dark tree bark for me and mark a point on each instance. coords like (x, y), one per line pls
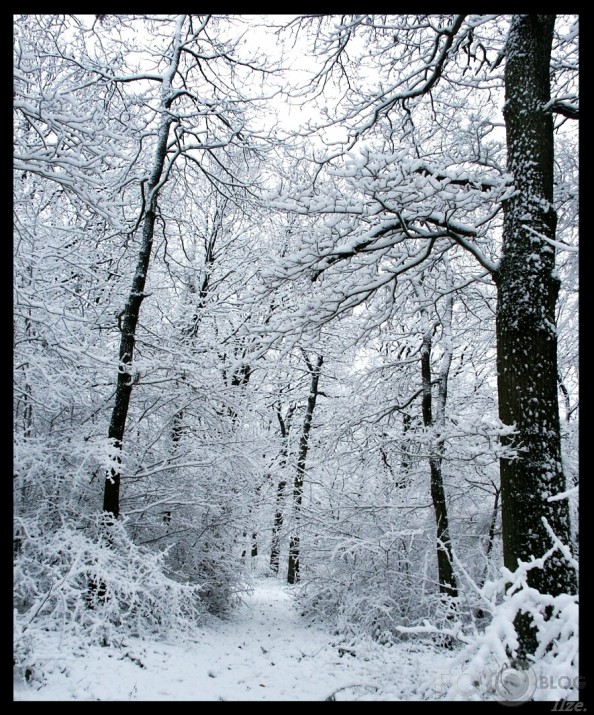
(447, 579)
(253, 546)
(131, 313)
(209, 261)
(294, 547)
(285, 425)
(27, 398)
(277, 526)
(492, 526)
(526, 335)
(489, 546)
(405, 463)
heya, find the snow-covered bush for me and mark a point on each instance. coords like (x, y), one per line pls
(492, 654)
(208, 560)
(372, 586)
(94, 582)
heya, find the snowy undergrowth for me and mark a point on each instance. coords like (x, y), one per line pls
(480, 630)
(372, 586)
(93, 586)
(490, 655)
(76, 592)
(263, 650)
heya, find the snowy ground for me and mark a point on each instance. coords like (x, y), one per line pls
(264, 651)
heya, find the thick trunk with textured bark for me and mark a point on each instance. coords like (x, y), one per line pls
(526, 333)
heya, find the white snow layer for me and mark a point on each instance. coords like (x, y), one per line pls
(263, 651)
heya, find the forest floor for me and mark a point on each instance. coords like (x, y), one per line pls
(263, 651)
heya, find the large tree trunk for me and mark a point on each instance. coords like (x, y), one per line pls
(294, 546)
(526, 334)
(131, 313)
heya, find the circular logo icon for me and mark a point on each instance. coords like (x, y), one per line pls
(513, 684)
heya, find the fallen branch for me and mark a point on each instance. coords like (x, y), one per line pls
(332, 698)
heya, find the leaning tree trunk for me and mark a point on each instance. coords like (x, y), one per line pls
(294, 546)
(526, 335)
(447, 579)
(130, 314)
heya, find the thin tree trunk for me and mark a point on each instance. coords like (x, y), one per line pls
(492, 526)
(526, 334)
(447, 579)
(278, 525)
(490, 540)
(27, 391)
(254, 538)
(253, 545)
(566, 400)
(405, 463)
(28, 411)
(285, 426)
(294, 547)
(131, 313)
(209, 260)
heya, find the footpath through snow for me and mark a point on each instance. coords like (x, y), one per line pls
(264, 651)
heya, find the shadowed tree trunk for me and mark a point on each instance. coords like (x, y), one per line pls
(405, 463)
(447, 579)
(131, 313)
(285, 426)
(526, 334)
(489, 545)
(294, 549)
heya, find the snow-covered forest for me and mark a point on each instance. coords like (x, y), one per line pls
(295, 326)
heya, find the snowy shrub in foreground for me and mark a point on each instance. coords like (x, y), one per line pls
(551, 673)
(97, 584)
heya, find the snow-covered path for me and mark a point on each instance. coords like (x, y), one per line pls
(264, 651)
